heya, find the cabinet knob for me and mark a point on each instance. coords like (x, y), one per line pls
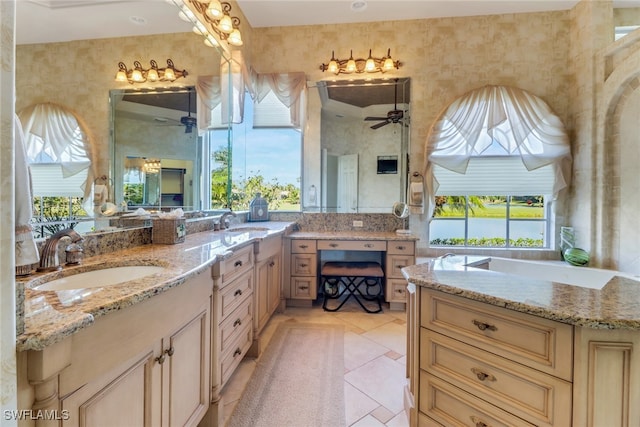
(333, 245)
(160, 359)
(237, 352)
(478, 422)
(401, 248)
(482, 375)
(304, 246)
(484, 326)
(368, 245)
(169, 352)
(238, 263)
(272, 263)
(238, 292)
(237, 323)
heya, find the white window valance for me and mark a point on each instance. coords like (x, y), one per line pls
(518, 121)
(55, 134)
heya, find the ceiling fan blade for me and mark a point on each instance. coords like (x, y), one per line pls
(379, 125)
(375, 119)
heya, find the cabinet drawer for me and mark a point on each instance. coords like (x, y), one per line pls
(303, 246)
(352, 245)
(235, 293)
(396, 290)
(238, 263)
(235, 352)
(539, 398)
(395, 263)
(233, 324)
(303, 287)
(400, 247)
(450, 406)
(304, 264)
(533, 341)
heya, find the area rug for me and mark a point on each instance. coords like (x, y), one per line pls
(298, 381)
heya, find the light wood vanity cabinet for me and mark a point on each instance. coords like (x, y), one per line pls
(146, 365)
(303, 270)
(476, 364)
(400, 254)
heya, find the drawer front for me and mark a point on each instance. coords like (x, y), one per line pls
(303, 288)
(235, 352)
(352, 245)
(235, 293)
(450, 406)
(268, 247)
(303, 246)
(396, 290)
(395, 263)
(536, 397)
(304, 264)
(401, 247)
(533, 341)
(238, 263)
(234, 323)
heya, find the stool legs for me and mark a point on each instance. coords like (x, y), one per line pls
(335, 287)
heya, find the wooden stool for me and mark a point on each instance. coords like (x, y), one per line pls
(338, 278)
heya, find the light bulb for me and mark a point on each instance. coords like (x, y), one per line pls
(388, 64)
(214, 10)
(152, 75)
(370, 65)
(225, 25)
(333, 67)
(235, 38)
(199, 29)
(169, 74)
(121, 76)
(136, 76)
(351, 66)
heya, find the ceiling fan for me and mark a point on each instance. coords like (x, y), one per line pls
(393, 116)
(188, 121)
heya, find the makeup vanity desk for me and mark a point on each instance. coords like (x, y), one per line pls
(307, 251)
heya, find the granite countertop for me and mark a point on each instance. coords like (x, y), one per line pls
(51, 316)
(351, 235)
(615, 306)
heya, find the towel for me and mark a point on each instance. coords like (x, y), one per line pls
(100, 194)
(26, 249)
(416, 196)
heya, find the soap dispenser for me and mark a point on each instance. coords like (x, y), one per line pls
(258, 209)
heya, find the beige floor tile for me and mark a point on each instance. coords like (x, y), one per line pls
(359, 350)
(368, 421)
(390, 335)
(382, 414)
(357, 404)
(383, 380)
(366, 321)
(400, 420)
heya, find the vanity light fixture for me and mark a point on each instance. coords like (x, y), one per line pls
(217, 14)
(154, 74)
(360, 65)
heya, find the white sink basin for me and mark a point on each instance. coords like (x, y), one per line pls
(100, 278)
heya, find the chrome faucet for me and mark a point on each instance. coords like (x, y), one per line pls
(49, 260)
(224, 219)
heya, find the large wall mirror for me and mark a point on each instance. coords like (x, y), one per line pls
(364, 144)
(156, 154)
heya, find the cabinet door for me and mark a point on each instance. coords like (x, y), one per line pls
(274, 284)
(186, 372)
(128, 395)
(261, 295)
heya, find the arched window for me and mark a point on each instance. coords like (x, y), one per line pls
(496, 157)
(60, 157)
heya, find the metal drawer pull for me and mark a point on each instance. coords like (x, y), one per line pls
(238, 292)
(304, 288)
(400, 291)
(482, 375)
(401, 248)
(368, 245)
(333, 245)
(238, 263)
(237, 322)
(272, 263)
(237, 352)
(304, 246)
(484, 326)
(160, 359)
(169, 352)
(400, 266)
(478, 422)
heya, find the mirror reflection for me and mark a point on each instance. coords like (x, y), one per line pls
(155, 148)
(364, 144)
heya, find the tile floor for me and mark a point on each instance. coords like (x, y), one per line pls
(374, 359)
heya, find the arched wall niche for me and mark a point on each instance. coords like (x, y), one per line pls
(619, 230)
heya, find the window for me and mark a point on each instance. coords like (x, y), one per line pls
(497, 158)
(265, 156)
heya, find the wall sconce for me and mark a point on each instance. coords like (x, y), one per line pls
(154, 74)
(217, 15)
(361, 65)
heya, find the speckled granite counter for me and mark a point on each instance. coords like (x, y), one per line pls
(351, 235)
(615, 306)
(50, 316)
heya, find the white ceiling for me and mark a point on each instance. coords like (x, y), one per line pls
(44, 21)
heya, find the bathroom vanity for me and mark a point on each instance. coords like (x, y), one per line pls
(488, 348)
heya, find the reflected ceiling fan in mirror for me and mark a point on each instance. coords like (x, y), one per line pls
(188, 121)
(393, 116)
